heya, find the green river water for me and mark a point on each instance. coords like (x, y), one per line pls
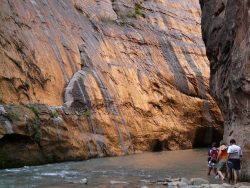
(126, 171)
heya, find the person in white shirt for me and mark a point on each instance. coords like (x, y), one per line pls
(234, 157)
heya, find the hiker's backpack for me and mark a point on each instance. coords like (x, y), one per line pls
(213, 154)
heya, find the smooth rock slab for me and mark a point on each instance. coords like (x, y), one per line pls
(198, 181)
(185, 180)
(177, 184)
(118, 182)
(226, 185)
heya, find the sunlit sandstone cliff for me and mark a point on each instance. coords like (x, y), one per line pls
(225, 28)
(116, 77)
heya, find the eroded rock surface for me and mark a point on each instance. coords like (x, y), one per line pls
(225, 28)
(131, 73)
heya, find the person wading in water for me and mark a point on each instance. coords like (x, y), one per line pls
(234, 159)
(222, 161)
(212, 159)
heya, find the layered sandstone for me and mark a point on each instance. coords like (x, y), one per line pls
(125, 76)
(225, 28)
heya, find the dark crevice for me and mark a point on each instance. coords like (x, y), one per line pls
(156, 106)
(204, 136)
(158, 145)
(220, 10)
(15, 138)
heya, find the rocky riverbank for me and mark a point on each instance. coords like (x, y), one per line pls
(173, 182)
(196, 183)
(182, 182)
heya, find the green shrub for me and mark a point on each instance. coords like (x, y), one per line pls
(35, 109)
(14, 115)
(136, 12)
(37, 126)
(53, 114)
(26, 85)
(131, 15)
(88, 113)
(37, 123)
(123, 21)
(138, 9)
(37, 136)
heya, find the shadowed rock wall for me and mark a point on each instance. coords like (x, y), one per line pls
(126, 76)
(225, 29)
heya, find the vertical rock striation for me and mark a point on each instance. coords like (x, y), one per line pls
(119, 76)
(225, 29)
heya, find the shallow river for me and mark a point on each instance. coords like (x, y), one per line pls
(127, 171)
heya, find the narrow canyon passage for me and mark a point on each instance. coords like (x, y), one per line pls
(226, 36)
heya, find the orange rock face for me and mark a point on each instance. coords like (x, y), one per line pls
(126, 76)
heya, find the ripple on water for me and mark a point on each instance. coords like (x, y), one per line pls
(13, 170)
(99, 171)
(37, 177)
(61, 174)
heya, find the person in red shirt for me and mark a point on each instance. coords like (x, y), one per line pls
(212, 159)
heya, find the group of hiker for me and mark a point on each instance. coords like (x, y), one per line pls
(225, 161)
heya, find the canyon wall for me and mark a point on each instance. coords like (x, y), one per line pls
(84, 78)
(225, 29)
